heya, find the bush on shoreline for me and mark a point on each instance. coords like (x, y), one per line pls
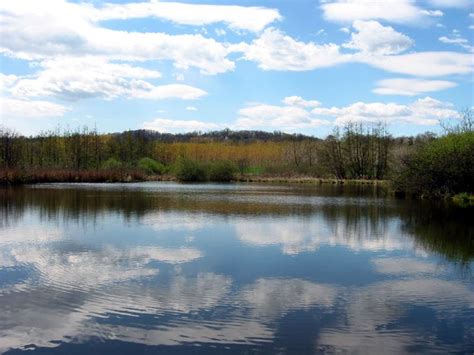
(187, 170)
(112, 164)
(151, 166)
(222, 171)
(440, 168)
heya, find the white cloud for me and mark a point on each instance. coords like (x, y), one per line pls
(175, 126)
(220, 32)
(411, 87)
(287, 118)
(425, 64)
(180, 91)
(7, 81)
(14, 108)
(274, 50)
(91, 77)
(432, 13)
(250, 18)
(299, 101)
(457, 40)
(426, 111)
(33, 30)
(398, 11)
(453, 40)
(191, 108)
(373, 38)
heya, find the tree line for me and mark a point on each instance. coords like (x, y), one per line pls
(354, 151)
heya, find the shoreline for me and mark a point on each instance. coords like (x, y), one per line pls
(18, 178)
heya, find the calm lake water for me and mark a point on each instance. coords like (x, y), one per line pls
(168, 268)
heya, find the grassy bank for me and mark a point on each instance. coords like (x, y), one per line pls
(222, 174)
(36, 176)
(309, 180)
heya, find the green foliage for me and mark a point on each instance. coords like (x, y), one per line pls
(187, 170)
(441, 167)
(150, 166)
(111, 164)
(222, 171)
(464, 199)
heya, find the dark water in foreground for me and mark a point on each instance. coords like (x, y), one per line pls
(166, 268)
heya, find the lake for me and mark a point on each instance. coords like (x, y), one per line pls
(237, 268)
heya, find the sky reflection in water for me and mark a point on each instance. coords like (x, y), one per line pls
(121, 268)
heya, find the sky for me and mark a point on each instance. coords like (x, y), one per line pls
(298, 66)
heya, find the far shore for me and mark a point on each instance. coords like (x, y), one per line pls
(15, 177)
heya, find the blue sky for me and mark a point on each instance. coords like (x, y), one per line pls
(296, 66)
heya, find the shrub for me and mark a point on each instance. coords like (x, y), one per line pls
(150, 166)
(112, 164)
(187, 170)
(441, 167)
(222, 171)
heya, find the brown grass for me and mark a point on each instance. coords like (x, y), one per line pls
(33, 176)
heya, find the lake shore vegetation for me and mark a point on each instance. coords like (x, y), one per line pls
(426, 165)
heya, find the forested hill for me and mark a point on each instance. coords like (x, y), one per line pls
(215, 136)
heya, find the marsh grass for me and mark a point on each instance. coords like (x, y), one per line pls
(34, 176)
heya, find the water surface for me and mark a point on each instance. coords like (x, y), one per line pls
(167, 268)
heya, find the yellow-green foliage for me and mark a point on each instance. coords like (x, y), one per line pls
(443, 166)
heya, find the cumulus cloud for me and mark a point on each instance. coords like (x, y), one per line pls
(7, 81)
(433, 13)
(398, 11)
(426, 111)
(411, 87)
(424, 64)
(299, 101)
(287, 118)
(14, 108)
(274, 50)
(373, 38)
(250, 18)
(300, 114)
(378, 46)
(33, 30)
(180, 91)
(175, 126)
(95, 77)
(457, 40)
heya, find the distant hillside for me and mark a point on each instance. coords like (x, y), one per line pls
(216, 136)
